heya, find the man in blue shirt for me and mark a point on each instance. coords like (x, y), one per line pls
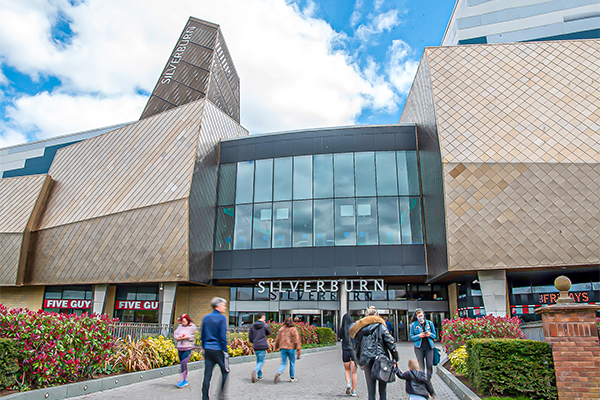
(214, 343)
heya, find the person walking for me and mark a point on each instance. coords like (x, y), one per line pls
(422, 332)
(288, 340)
(214, 342)
(258, 337)
(184, 335)
(348, 355)
(371, 340)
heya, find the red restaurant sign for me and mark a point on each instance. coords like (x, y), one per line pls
(580, 297)
(76, 304)
(136, 305)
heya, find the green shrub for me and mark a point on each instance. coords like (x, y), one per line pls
(326, 336)
(512, 367)
(9, 364)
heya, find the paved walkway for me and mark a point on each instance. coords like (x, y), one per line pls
(320, 376)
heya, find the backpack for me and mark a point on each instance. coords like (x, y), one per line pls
(383, 369)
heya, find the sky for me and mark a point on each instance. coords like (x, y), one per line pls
(68, 66)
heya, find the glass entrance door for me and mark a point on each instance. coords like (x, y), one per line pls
(437, 318)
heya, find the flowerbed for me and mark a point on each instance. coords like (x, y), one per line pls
(55, 348)
(456, 331)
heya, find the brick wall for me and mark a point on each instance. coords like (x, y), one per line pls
(573, 334)
(195, 301)
(31, 297)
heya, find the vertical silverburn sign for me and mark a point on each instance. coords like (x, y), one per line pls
(184, 41)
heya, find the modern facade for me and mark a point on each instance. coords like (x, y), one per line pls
(504, 21)
(482, 194)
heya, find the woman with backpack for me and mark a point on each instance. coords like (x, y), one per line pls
(422, 332)
(348, 355)
(372, 340)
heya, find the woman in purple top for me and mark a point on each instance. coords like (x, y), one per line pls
(185, 335)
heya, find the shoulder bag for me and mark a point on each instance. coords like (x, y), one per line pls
(383, 369)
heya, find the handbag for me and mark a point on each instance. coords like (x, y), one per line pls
(383, 369)
(436, 356)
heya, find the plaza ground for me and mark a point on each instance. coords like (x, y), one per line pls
(320, 376)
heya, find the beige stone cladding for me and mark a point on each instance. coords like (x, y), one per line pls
(31, 297)
(21, 200)
(195, 301)
(519, 134)
(119, 210)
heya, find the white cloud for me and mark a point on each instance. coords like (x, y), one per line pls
(290, 77)
(380, 23)
(59, 113)
(10, 137)
(401, 69)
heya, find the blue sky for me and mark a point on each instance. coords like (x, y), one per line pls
(68, 66)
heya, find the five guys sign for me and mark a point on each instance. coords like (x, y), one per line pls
(136, 305)
(76, 304)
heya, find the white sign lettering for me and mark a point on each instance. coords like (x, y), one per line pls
(177, 54)
(76, 304)
(362, 285)
(136, 305)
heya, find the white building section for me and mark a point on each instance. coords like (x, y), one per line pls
(503, 21)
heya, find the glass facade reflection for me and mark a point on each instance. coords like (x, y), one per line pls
(342, 199)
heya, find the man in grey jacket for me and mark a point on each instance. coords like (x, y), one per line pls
(258, 337)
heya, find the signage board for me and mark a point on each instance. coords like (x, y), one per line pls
(67, 303)
(136, 305)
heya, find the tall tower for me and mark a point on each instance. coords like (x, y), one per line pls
(200, 66)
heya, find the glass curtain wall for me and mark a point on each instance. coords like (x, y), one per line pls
(343, 199)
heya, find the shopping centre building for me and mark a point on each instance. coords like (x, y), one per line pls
(484, 192)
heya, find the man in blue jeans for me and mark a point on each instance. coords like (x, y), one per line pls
(214, 343)
(258, 336)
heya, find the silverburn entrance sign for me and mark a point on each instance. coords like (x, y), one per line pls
(322, 286)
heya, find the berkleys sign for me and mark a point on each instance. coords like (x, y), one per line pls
(320, 289)
(66, 303)
(136, 305)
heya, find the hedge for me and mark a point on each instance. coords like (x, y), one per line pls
(326, 336)
(9, 364)
(512, 367)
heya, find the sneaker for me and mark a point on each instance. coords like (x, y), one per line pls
(276, 378)
(293, 380)
(181, 384)
(348, 390)
(260, 378)
(253, 376)
(353, 393)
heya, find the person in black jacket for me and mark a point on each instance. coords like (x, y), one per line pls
(418, 383)
(372, 339)
(258, 337)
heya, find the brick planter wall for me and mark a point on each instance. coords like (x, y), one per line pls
(573, 334)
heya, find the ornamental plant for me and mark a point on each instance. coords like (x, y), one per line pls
(458, 360)
(456, 331)
(165, 352)
(308, 333)
(131, 355)
(56, 348)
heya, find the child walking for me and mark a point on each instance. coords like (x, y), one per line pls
(418, 383)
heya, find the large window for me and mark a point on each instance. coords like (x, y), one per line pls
(342, 199)
(137, 303)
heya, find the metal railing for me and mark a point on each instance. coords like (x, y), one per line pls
(533, 331)
(139, 330)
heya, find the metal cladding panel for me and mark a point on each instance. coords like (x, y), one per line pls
(145, 163)
(518, 131)
(215, 126)
(420, 109)
(504, 215)
(18, 197)
(199, 66)
(143, 245)
(10, 254)
(224, 89)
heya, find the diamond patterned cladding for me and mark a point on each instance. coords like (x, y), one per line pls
(523, 102)
(519, 136)
(522, 215)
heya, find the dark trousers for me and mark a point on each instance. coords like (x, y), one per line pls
(425, 358)
(372, 383)
(212, 358)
